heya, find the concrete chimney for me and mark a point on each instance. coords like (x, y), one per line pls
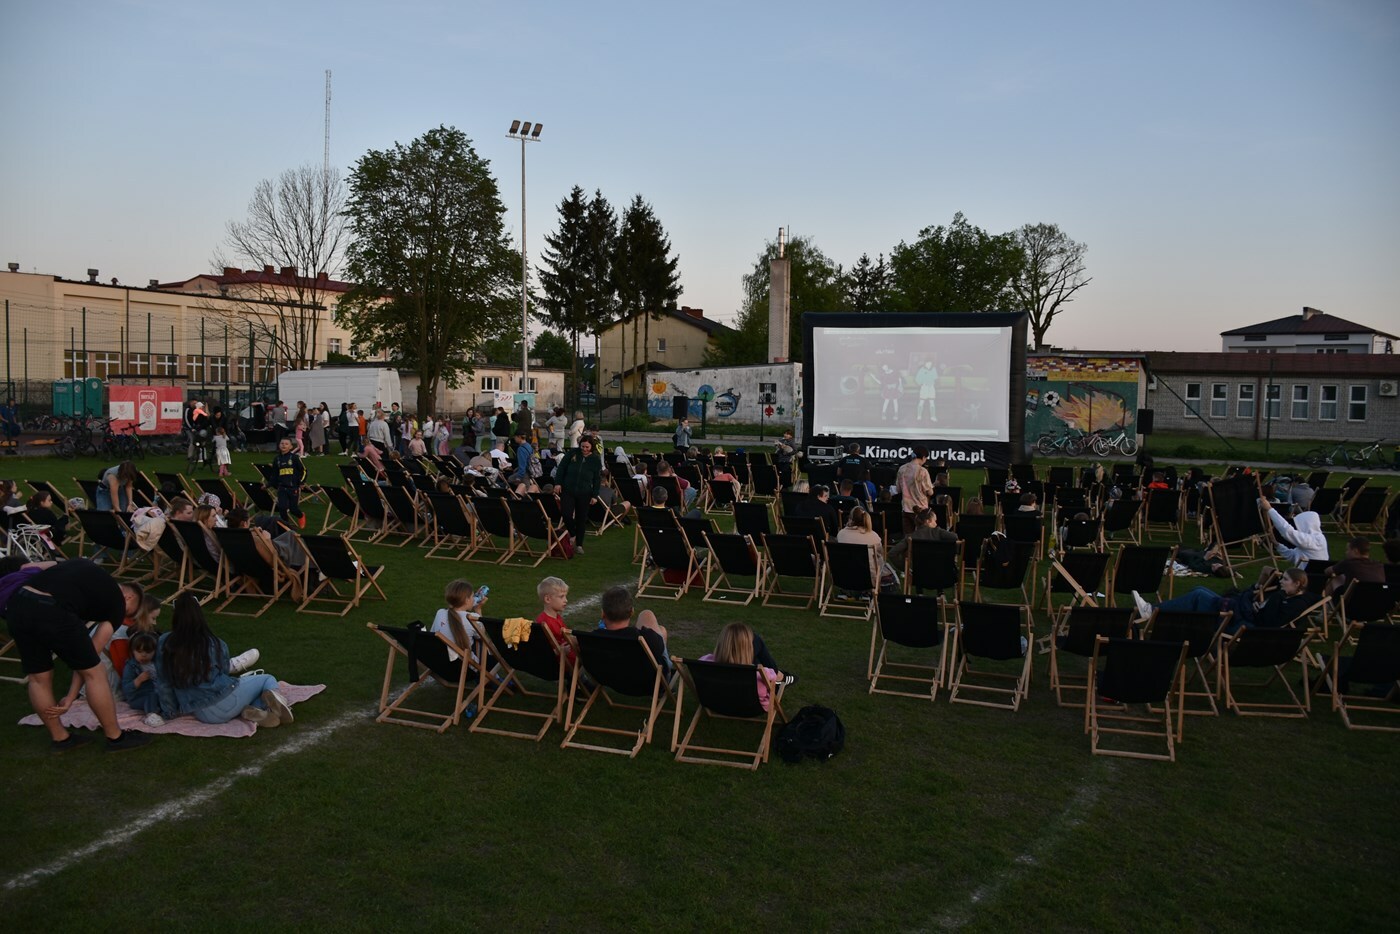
(1310, 313)
(779, 302)
(92, 275)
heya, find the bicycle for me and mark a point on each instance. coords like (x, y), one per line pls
(77, 440)
(1338, 455)
(1123, 443)
(1072, 444)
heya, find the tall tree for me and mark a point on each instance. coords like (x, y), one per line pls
(867, 284)
(960, 267)
(645, 271)
(1052, 270)
(601, 230)
(575, 270)
(436, 275)
(815, 285)
(295, 221)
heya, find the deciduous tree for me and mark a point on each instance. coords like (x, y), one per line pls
(960, 267)
(1052, 270)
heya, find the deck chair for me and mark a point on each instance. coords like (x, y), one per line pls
(791, 503)
(933, 565)
(1029, 529)
(427, 654)
(537, 655)
(1164, 510)
(8, 658)
(619, 667)
(792, 557)
(1082, 533)
(849, 584)
(199, 569)
(1144, 568)
(166, 560)
(533, 525)
(1134, 671)
(737, 556)
(1011, 576)
(649, 517)
(696, 529)
(1201, 633)
(765, 482)
(247, 575)
(1327, 502)
(810, 526)
(669, 566)
(720, 496)
(343, 512)
(497, 538)
(1121, 517)
(912, 623)
(553, 511)
(182, 484)
(338, 562)
(110, 530)
(675, 500)
(1076, 634)
(1269, 649)
(405, 522)
(1367, 602)
(1079, 575)
(1367, 510)
(994, 632)
(725, 692)
(220, 488)
(1375, 662)
(258, 495)
(974, 530)
(453, 530)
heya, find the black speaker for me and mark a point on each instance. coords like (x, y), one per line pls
(1144, 421)
(680, 407)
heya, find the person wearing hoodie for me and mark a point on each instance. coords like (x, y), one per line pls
(1302, 541)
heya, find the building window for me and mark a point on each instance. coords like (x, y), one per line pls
(491, 383)
(1219, 400)
(1327, 404)
(139, 364)
(1273, 400)
(661, 345)
(1356, 403)
(1245, 408)
(1300, 402)
(333, 345)
(1256, 337)
(533, 386)
(106, 364)
(267, 372)
(74, 364)
(1193, 400)
(1335, 337)
(218, 369)
(166, 364)
(194, 367)
(244, 368)
(1331, 350)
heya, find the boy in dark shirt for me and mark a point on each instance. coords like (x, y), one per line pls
(291, 474)
(1358, 565)
(617, 608)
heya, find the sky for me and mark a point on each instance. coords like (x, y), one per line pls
(1226, 162)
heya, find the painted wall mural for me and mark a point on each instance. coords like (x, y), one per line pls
(1072, 394)
(749, 394)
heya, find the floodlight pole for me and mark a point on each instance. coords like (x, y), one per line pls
(521, 131)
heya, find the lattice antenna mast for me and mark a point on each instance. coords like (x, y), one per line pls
(326, 155)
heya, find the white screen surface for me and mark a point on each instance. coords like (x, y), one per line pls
(911, 383)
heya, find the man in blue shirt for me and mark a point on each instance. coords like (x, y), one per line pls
(523, 453)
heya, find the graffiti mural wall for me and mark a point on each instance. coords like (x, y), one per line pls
(749, 394)
(1069, 393)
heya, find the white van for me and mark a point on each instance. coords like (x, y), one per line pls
(333, 385)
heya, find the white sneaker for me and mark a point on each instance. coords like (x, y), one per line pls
(241, 663)
(153, 719)
(1143, 607)
(277, 705)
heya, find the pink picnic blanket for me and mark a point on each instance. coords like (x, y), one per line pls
(80, 716)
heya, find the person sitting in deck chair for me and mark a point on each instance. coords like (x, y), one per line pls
(617, 606)
(1302, 541)
(739, 645)
(1262, 606)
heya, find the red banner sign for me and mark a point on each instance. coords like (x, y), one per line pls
(153, 410)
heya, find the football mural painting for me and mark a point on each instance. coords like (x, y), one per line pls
(1070, 395)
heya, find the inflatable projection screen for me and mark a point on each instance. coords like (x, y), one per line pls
(953, 383)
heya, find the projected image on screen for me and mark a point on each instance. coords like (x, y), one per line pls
(911, 383)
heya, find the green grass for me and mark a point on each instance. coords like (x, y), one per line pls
(934, 816)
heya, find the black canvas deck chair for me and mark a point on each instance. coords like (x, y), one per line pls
(974, 530)
(199, 571)
(1272, 650)
(247, 575)
(792, 503)
(1238, 530)
(933, 565)
(1126, 672)
(792, 558)
(405, 524)
(268, 473)
(697, 530)
(533, 528)
(259, 495)
(1327, 502)
(110, 530)
(497, 538)
(182, 485)
(1366, 681)
(343, 512)
(375, 519)
(995, 633)
(1082, 533)
(620, 667)
(1367, 602)
(1201, 634)
(765, 482)
(1121, 518)
(725, 692)
(1075, 634)
(649, 517)
(1164, 512)
(669, 566)
(1367, 511)
(510, 698)
(1021, 527)
(453, 532)
(720, 496)
(430, 657)
(675, 500)
(914, 625)
(849, 583)
(1079, 576)
(810, 526)
(731, 556)
(166, 559)
(1146, 569)
(553, 510)
(339, 564)
(1013, 575)
(220, 488)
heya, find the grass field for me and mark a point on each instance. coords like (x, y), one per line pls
(934, 817)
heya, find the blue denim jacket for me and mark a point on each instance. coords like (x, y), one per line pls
(177, 701)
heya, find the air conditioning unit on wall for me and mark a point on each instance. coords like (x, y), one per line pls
(1389, 389)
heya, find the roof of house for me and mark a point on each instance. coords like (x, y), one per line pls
(1319, 323)
(1357, 365)
(287, 276)
(694, 316)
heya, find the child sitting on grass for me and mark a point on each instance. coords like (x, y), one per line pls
(739, 645)
(454, 620)
(554, 596)
(139, 678)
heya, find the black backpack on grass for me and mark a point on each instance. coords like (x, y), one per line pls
(815, 732)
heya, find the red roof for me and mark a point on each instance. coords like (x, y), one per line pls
(266, 276)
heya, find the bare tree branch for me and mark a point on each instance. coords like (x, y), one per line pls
(1052, 271)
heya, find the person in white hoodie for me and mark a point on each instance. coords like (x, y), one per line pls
(1302, 541)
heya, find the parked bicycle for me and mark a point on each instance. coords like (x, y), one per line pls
(1339, 455)
(78, 439)
(1071, 444)
(122, 444)
(1104, 443)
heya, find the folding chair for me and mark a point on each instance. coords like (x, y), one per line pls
(1201, 633)
(668, 563)
(553, 511)
(719, 496)
(725, 692)
(619, 665)
(110, 530)
(1076, 634)
(1165, 509)
(791, 503)
(1079, 575)
(765, 482)
(736, 555)
(493, 522)
(1264, 648)
(1367, 510)
(258, 495)
(434, 652)
(996, 632)
(792, 557)
(166, 560)
(810, 526)
(1025, 528)
(1143, 568)
(604, 515)
(1122, 516)
(1082, 533)
(1367, 602)
(909, 622)
(198, 565)
(974, 530)
(247, 575)
(849, 583)
(1375, 661)
(1135, 672)
(649, 517)
(536, 654)
(343, 514)
(675, 500)
(933, 565)
(337, 561)
(182, 485)
(405, 520)
(220, 488)
(697, 529)
(453, 529)
(531, 524)
(1011, 576)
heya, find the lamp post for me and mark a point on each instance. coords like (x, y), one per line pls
(526, 133)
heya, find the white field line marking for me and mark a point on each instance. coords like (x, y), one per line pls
(185, 806)
(1040, 850)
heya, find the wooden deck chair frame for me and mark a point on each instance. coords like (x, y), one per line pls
(1132, 570)
(934, 565)
(1158, 513)
(7, 646)
(1196, 630)
(110, 530)
(404, 642)
(964, 678)
(403, 515)
(199, 564)
(239, 575)
(532, 525)
(788, 554)
(1366, 511)
(1366, 602)
(166, 560)
(659, 694)
(719, 496)
(846, 574)
(342, 512)
(712, 683)
(493, 522)
(1132, 527)
(1378, 651)
(973, 531)
(373, 509)
(259, 495)
(539, 656)
(1254, 549)
(1271, 649)
(733, 554)
(219, 487)
(1081, 574)
(338, 563)
(604, 515)
(1107, 717)
(453, 532)
(1075, 634)
(667, 549)
(916, 624)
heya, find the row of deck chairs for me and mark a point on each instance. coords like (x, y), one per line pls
(523, 688)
